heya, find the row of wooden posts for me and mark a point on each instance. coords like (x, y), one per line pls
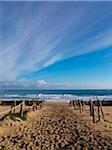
(80, 105)
(22, 106)
(99, 112)
(33, 107)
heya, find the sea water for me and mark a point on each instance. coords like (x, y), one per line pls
(56, 95)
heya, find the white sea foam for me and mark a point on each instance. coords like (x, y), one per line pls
(55, 97)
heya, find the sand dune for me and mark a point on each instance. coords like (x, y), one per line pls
(54, 127)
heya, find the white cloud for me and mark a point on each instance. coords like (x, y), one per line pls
(41, 83)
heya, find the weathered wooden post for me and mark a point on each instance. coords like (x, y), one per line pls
(4, 104)
(70, 103)
(78, 103)
(90, 105)
(98, 110)
(14, 104)
(11, 110)
(83, 105)
(37, 102)
(33, 101)
(36, 105)
(28, 102)
(74, 104)
(93, 113)
(80, 107)
(102, 110)
(21, 109)
(40, 105)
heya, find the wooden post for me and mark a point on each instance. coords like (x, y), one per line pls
(28, 102)
(90, 104)
(43, 103)
(21, 109)
(40, 105)
(36, 106)
(33, 108)
(83, 105)
(11, 110)
(80, 107)
(78, 104)
(14, 104)
(70, 103)
(33, 101)
(102, 110)
(74, 104)
(93, 113)
(98, 110)
(4, 104)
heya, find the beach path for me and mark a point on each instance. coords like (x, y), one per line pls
(54, 127)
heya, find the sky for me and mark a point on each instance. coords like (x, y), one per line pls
(56, 44)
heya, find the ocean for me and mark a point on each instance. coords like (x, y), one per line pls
(56, 95)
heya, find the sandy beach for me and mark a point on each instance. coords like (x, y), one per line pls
(56, 126)
(55, 75)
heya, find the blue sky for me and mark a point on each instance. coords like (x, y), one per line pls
(56, 44)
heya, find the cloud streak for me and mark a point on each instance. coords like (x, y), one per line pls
(38, 34)
(42, 84)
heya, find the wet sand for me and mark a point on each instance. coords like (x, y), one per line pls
(55, 127)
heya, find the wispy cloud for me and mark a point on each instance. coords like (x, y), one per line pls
(38, 34)
(42, 84)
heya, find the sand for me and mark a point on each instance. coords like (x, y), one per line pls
(102, 126)
(3, 108)
(57, 126)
